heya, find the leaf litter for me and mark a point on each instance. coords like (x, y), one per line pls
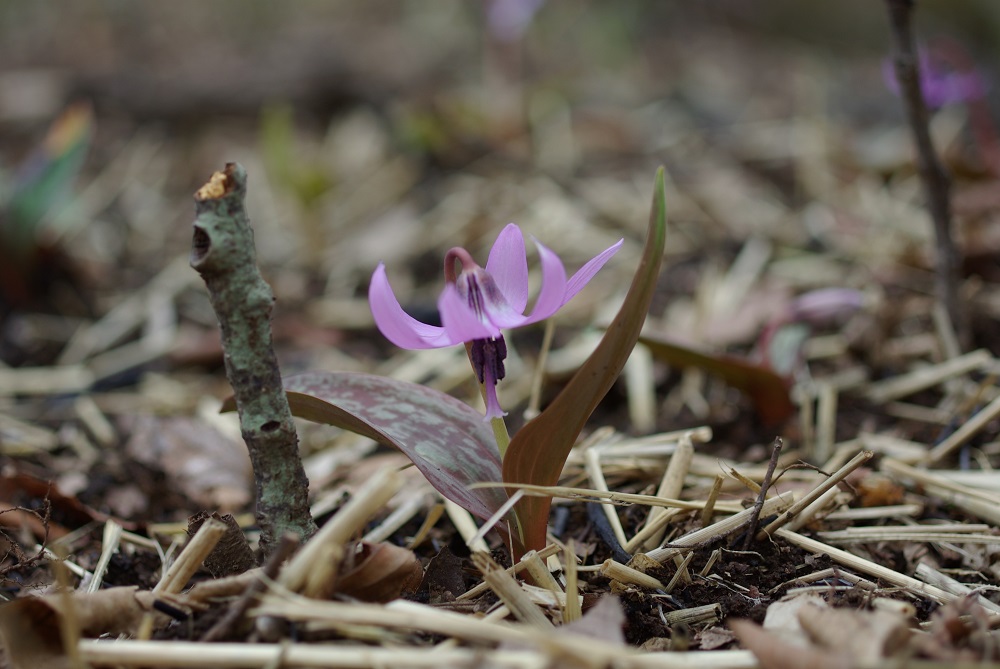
(102, 370)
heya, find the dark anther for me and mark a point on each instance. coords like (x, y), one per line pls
(489, 354)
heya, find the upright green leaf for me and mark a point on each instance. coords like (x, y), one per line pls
(539, 450)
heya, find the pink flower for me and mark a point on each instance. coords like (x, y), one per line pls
(508, 20)
(477, 303)
(939, 84)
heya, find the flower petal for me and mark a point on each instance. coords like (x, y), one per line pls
(587, 272)
(553, 287)
(398, 326)
(508, 265)
(459, 320)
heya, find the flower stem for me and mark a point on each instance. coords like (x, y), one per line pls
(937, 187)
(501, 435)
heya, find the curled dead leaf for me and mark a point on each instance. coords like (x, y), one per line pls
(379, 572)
(30, 626)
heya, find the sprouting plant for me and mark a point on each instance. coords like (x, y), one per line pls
(447, 440)
(31, 199)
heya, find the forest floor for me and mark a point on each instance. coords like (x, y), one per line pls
(371, 135)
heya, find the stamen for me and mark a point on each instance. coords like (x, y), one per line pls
(487, 358)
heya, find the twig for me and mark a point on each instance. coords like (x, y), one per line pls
(572, 610)
(625, 574)
(671, 484)
(613, 497)
(191, 558)
(816, 493)
(549, 550)
(929, 574)
(718, 529)
(713, 497)
(510, 592)
(313, 571)
(540, 573)
(109, 546)
(965, 432)
(919, 379)
(765, 484)
(866, 566)
(708, 613)
(932, 173)
(222, 251)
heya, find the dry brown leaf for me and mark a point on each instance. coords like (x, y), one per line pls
(30, 631)
(774, 652)
(443, 577)
(605, 620)
(20, 490)
(232, 555)
(783, 618)
(866, 636)
(379, 572)
(30, 626)
(714, 638)
(210, 468)
(960, 632)
(113, 611)
(876, 489)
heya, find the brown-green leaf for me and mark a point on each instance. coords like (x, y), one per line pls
(538, 451)
(768, 391)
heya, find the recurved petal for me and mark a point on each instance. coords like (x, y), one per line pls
(398, 326)
(551, 296)
(508, 265)
(459, 320)
(587, 272)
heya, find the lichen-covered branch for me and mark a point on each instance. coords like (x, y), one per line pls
(932, 173)
(223, 253)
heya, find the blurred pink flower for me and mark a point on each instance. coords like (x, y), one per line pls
(940, 85)
(822, 306)
(508, 20)
(476, 303)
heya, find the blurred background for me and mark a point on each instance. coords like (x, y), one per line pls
(392, 130)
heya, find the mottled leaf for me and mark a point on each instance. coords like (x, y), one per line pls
(448, 441)
(538, 451)
(768, 391)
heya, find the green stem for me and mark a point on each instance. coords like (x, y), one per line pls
(501, 435)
